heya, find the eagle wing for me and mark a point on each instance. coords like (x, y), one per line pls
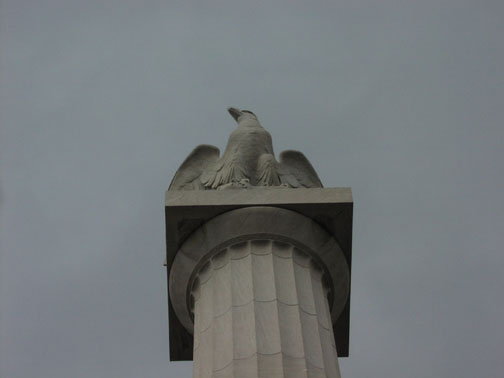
(200, 159)
(296, 171)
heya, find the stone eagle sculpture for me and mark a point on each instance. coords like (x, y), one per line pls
(247, 162)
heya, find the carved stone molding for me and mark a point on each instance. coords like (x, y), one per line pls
(257, 223)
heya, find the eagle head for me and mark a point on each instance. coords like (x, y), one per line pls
(238, 114)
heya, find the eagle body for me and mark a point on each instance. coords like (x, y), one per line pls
(248, 161)
(246, 144)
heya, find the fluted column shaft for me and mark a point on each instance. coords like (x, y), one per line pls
(261, 310)
(260, 289)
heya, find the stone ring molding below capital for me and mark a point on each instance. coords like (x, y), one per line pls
(254, 224)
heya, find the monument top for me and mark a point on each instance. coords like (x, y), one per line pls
(217, 203)
(248, 161)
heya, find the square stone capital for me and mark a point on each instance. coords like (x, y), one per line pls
(185, 211)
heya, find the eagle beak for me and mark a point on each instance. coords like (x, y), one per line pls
(235, 113)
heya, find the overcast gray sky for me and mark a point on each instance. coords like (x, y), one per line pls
(102, 100)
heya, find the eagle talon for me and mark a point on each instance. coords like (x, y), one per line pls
(235, 184)
(244, 183)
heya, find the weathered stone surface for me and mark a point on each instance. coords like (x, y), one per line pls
(259, 224)
(219, 244)
(265, 337)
